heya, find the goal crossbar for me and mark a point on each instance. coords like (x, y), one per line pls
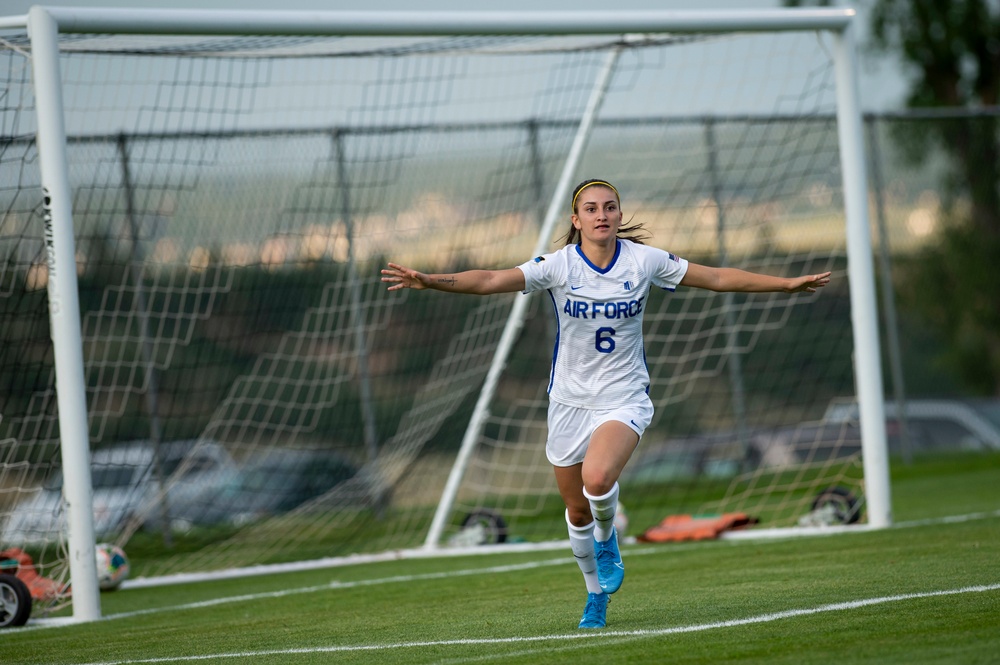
(354, 23)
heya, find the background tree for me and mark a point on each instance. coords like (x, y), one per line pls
(950, 52)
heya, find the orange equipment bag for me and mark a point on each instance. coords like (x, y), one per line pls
(676, 528)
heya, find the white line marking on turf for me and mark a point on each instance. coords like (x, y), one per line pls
(340, 562)
(336, 584)
(659, 632)
(59, 622)
(36, 624)
(952, 519)
(504, 548)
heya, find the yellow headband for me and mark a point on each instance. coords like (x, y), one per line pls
(596, 182)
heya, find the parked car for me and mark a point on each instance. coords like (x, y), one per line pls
(933, 424)
(273, 484)
(664, 460)
(125, 487)
(722, 455)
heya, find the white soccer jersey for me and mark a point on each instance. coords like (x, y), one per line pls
(599, 361)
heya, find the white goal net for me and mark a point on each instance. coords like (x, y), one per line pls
(255, 395)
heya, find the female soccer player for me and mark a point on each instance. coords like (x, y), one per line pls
(598, 401)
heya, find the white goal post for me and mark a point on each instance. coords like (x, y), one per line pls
(46, 24)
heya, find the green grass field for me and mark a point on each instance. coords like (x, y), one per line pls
(924, 591)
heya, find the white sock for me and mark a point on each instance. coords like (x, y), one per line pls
(581, 540)
(604, 509)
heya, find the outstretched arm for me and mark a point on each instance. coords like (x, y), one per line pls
(479, 282)
(733, 279)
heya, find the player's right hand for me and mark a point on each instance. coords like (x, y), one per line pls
(400, 277)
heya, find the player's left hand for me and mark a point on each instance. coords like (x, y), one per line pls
(809, 283)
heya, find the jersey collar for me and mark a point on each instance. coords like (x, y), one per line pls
(614, 259)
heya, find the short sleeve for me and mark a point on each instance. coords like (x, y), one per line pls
(666, 270)
(543, 272)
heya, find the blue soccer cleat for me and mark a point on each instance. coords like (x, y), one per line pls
(595, 611)
(610, 569)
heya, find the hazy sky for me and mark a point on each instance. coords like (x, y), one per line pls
(882, 85)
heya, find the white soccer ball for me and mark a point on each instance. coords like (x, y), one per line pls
(112, 566)
(621, 520)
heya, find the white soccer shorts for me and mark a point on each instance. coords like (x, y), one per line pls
(570, 428)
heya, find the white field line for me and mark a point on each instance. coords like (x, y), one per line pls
(584, 635)
(339, 562)
(427, 553)
(799, 531)
(335, 584)
(953, 519)
(59, 622)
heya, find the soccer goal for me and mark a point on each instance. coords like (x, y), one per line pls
(197, 354)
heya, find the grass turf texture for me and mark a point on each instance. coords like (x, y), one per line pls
(469, 609)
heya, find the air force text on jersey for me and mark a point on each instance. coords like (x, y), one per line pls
(611, 310)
